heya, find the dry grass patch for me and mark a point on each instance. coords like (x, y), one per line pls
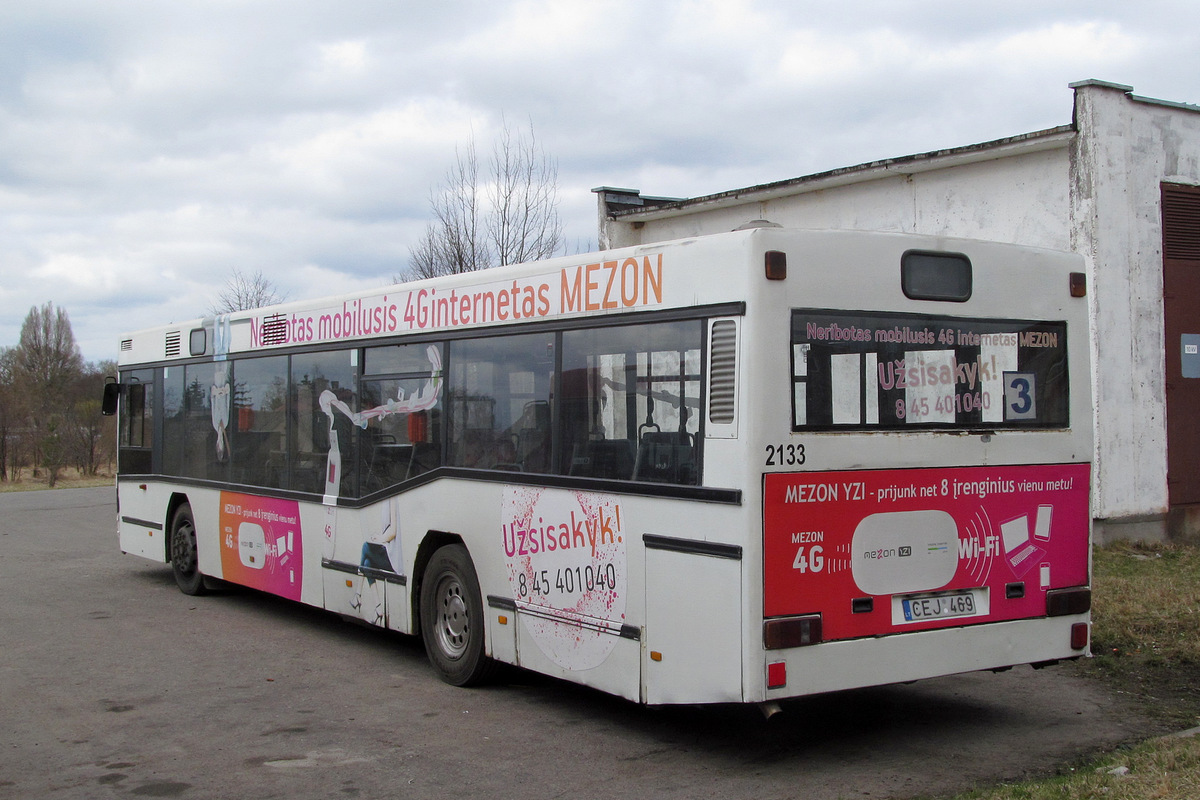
(1146, 631)
(67, 479)
(1147, 602)
(1163, 769)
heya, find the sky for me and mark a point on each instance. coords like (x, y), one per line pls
(148, 149)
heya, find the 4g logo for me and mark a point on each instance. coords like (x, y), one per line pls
(814, 559)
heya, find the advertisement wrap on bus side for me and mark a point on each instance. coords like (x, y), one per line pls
(261, 545)
(565, 553)
(888, 551)
(604, 286)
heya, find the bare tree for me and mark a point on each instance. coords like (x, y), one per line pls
(47, 358)
(524, 225)
(47, 363)
(454, 241)
(10, 409)
(512, 217)
(243, 292)
(90, 436)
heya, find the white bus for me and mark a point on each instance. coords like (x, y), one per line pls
(735, 468)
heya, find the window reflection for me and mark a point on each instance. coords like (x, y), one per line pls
(136, 422)
(500, 392)
(308, 451)
(403, 412)
(616, 403)
(631, 401)
(173, 419)
(259, 422)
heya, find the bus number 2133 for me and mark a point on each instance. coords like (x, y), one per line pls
(785, 455)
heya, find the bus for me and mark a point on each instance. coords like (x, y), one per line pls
(734, 468)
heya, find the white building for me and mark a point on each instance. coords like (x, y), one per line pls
(1120, 185)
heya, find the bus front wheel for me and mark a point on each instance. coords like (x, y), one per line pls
(185, 559)
(452, 620)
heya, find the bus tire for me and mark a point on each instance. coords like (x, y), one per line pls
(452, 621)
(185, 556)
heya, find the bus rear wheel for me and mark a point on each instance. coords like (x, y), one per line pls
(452, 620)
(185, 556)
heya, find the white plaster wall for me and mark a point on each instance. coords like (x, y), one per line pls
(1020, 198)
(1124, 150)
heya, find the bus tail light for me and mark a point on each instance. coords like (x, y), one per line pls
(1079, 635)
(1078, 284)
(1062, 602)
(780, 634)
(776, 265)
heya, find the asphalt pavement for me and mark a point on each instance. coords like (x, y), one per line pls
(114, 684)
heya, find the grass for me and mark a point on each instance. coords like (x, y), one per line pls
(1163, 769)
(1146, 641)
(1146, 626)
(1148, 601)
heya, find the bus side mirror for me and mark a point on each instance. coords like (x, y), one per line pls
(112, 390)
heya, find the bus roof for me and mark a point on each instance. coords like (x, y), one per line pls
(664, 275)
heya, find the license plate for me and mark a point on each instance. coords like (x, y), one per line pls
(939, 606)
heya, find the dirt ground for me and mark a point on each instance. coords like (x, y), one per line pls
(1168, 693)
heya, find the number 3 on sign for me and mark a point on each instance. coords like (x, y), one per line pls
(1020, 395)
(815, 560)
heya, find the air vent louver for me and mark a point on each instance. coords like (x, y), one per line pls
(723, 372)
(1181, 222)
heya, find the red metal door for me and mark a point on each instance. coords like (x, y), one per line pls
(1181, 319)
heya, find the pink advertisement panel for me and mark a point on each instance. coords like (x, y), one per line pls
(887, 551)
(261, 546)
(568, 570)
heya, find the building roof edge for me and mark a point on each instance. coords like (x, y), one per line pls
(921, 162)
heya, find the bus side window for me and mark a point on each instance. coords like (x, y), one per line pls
(259, 422)
(533, 437)
(313, 374)
(136, 423)
(402, 445)
(173, 441)
(630, 401)
(596, 441)
(499, 402)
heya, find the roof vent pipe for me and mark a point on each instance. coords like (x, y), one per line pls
(757, 223)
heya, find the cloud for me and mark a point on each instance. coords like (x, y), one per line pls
(146, 149)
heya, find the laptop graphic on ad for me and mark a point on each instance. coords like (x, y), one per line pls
(1023, 553)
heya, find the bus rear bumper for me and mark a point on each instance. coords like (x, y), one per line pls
(834, 666)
